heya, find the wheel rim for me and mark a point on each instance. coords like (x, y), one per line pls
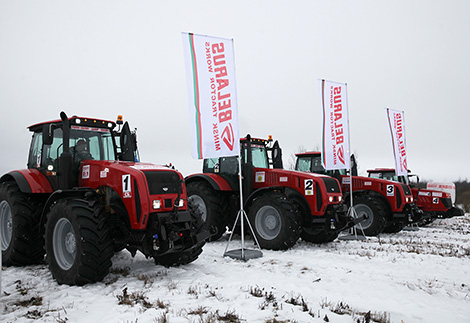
(362, 209)
(199, 202)
(64, 244)
(268, 222)
(6, 222)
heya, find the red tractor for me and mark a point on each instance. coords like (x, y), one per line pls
(388, 205)
(84, 197)
(281, 204)
(433, 204)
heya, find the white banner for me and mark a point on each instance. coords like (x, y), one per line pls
(335, 147)
(210, 74)
(396, 121)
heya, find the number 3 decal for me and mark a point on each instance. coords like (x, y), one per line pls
(390, 190)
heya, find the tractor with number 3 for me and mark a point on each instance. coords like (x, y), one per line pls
(84, 197)
(388, 205)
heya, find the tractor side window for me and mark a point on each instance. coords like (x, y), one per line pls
(211, 165)
(34, 160)
(51, 153)
(304, 164)
(229, 165)
(317, 167)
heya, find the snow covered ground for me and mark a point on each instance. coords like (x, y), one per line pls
(411, 276)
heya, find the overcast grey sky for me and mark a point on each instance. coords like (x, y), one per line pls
(104, 58)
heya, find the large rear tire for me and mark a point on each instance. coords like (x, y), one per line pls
(376, 215)
(276, 221)
(78, 242)
(213, 206)
(22, 243)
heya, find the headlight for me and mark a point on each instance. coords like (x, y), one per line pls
(180, 203)
(340, 198)
(157, 204)
(331, 199)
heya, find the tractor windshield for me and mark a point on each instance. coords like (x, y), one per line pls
(259, 155)
(84, 144)
(96, 143)
(389, 175)
(310, 164)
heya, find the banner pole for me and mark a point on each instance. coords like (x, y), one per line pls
(351, 210)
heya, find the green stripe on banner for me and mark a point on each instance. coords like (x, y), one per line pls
(196, 97)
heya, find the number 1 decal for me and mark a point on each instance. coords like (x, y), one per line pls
(308, 186)
(126, 186)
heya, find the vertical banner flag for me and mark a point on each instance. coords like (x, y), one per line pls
(335, 146)
(210, 74)
(396, 121)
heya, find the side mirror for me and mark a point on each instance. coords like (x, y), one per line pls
(277, 155)
(47, 134)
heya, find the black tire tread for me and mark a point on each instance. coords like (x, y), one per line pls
(290, 231)
(379, 213)
(217, 207)
(27, 244)
(94, 238)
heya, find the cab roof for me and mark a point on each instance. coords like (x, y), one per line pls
(309, 153)
(77, 121)
(377, 170)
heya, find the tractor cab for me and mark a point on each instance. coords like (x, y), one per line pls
(311, 162)
(256, 153)
(412, 180)
(59, 147)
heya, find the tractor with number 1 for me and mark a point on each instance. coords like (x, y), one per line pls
(84, 197)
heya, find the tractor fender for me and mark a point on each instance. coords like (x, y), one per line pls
(217, 182)
(60, 195)
(29, 181)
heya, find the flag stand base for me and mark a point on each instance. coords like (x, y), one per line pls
(242, 253)
(352, 235)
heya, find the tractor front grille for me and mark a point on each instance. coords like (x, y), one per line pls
(447, 202)
(163, 182)
(406, 189)
(331, 184)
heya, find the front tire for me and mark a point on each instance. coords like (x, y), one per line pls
(78, 242)
(376, 215)
(212, 205)
(22, 243)
(276, 221)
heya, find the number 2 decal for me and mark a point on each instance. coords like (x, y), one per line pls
(390, 190)
(126, 186)
(308, 186)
